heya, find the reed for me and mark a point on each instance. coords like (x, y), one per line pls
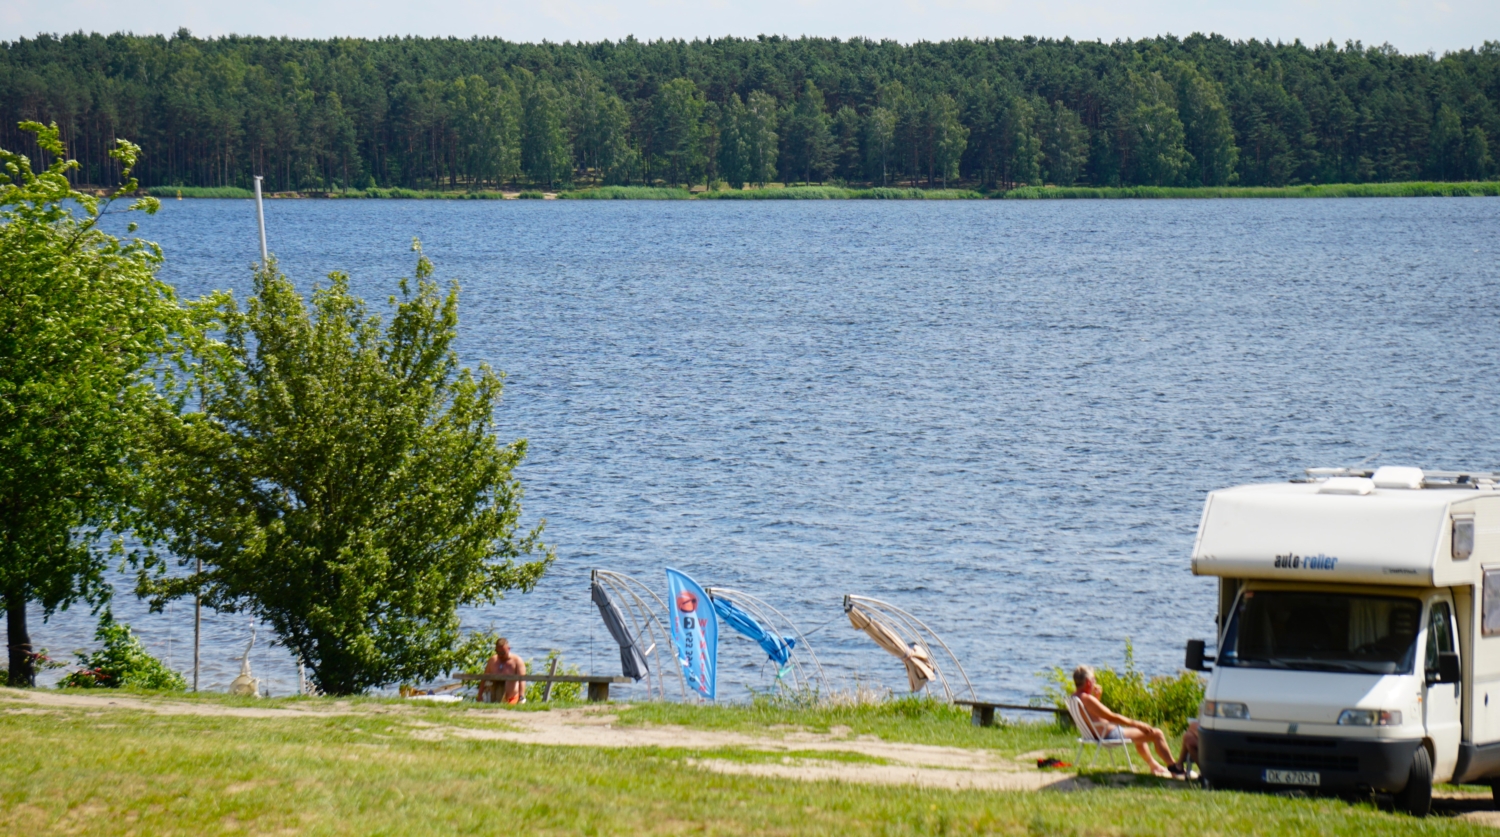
(1410, 189)
(627, 193)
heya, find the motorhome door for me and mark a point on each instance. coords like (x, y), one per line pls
(1441, 702)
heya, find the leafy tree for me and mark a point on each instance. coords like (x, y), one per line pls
(342, 481)
(1477, 161)
(806, 136)
(488, 126)
(122, 661)
(848, 164)
(679, 131)
(1065, 145)
(1154, 136)
(1448, 158)
(758, 134)
(1208, 133)
(946, 138)
(879, 144)
(87, 335)
(600, 127)
(545, 154)
(734, 151)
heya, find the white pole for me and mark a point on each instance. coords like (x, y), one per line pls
(260, 216)
(197, 622)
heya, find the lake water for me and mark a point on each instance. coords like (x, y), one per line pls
(1003, 416)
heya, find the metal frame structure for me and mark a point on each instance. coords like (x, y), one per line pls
(647, 623)
(775, 620)
(913, 631)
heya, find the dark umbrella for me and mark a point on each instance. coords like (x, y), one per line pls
(632, 662)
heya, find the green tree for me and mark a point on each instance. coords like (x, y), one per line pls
(879, 144)
(946, 138)
(1207, 131)
(678, 112)
(1155, 148)
(600, 127)
(1065, 145)
(87, 337)
(488, 124)
(545, 154)
(848, 164)
(806, 136)
(734, 153)
(342, 481)
(758, 134)
(1477, 160)
(1448, 161)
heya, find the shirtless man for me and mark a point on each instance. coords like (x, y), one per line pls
(503, 662)
(1113, 725)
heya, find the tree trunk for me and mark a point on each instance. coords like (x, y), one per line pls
(22, 667)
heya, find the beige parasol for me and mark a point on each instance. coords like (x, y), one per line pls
(918, 661)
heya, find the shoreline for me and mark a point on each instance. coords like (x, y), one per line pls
(1404, 189)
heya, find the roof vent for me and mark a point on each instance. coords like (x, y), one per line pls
(1397, 477)
(1347, 485)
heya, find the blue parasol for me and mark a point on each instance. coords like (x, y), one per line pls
(778, 648)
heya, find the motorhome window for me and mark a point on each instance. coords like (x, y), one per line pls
(1463, 538)
(1439, 634)
(1322, 632)
(1490, 626)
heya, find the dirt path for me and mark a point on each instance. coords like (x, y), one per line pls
(904, 764)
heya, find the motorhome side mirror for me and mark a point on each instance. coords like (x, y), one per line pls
(1196, 661)
(1447, 668)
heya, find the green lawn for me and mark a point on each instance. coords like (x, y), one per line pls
(120, 771)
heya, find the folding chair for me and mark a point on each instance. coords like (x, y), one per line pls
(1097, 737)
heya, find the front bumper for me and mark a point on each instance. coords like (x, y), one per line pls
(1343, 764)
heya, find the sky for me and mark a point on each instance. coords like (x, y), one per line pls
(1412, 26)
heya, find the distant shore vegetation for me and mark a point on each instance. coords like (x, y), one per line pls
(1416, 189)
(418, 118)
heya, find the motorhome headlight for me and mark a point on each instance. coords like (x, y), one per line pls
(1224, 709)
(1370, 718)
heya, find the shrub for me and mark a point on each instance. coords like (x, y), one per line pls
(560, 691)
(123, 661)
(531, 196)
(1164, 701)
(628, 193)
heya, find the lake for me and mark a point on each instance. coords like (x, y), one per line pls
(1003, 416)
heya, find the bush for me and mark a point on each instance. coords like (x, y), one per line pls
(560, 691)
(531, 196)
(1166, 702)
(123, 661)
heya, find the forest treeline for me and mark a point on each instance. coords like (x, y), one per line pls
(482, 113)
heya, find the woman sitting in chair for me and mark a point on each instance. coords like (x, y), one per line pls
(1108, 725)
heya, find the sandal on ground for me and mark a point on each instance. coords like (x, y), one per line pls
(1162, 773)
(1177, 770)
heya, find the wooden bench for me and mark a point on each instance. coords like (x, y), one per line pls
(598, 686)
(983, 714)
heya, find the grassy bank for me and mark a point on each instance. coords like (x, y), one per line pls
(383, 768)
(628, 193)
(836, 193)
(1329, 190)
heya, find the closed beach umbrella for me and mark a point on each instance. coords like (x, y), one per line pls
(778, 648)
(916, 658)
(632, 662)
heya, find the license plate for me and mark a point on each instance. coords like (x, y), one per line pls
(1306, 778)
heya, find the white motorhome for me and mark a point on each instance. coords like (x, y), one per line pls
(1359, 633)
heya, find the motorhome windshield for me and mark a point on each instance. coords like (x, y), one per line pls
(1322, 632)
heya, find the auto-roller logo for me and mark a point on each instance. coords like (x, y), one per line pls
(1291, 561)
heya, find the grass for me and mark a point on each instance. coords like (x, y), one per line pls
(838, 193)
(630, 193)
(122, 771)
(199, 192)
(1416, 189)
